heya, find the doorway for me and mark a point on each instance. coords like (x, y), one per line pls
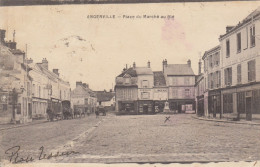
(249, 109)
(145, 109)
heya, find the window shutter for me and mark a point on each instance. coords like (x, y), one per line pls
(226, 76)
(230, 76)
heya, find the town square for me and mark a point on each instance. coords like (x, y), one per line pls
(112, 87)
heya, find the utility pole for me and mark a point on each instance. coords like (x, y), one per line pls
(26, 84)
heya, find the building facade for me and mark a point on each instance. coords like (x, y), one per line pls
(199, 92)
(145, 83)
(82, 97)
(240, 58)
(15, 87)
(106, 99)
(160, 91)
(126, 90)
(212, 77)
(180, 80)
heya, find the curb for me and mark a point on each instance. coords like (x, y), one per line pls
(226, 121)
(22, 125)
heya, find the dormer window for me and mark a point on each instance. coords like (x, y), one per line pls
(127, 79)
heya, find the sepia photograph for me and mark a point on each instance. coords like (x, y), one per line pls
(151, 84)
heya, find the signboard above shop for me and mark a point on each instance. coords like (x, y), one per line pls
(3, 98)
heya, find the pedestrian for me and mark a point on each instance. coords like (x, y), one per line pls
(97, 113)
(49, 114)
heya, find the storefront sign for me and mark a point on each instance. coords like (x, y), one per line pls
(160, 90)
(3, 98)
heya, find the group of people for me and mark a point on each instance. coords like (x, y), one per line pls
(68, 113)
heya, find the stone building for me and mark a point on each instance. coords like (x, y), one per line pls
(82, 97)
(212, 77)
(48, 89)
(126, 90)
(199, 92)
(15, 87)
(145, 83)
(180, 79)
(240, 68)
(160, 91)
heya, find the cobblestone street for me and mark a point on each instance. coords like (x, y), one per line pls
(50, 135)
(182, 139)
(138, 138)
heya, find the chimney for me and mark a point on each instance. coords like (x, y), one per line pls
(126, 67)
(14, 36)
(56, 71)
(164, 63)
(189, 63)
(11, 45)
(199, 66)
(78, 83)
(228, 28)
(134, 65)
(29, 61)
(2, 36)
(85, 85)
(149, 64)
(45, 63)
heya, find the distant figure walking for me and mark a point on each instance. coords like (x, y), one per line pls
(50, 114)
(97, 113)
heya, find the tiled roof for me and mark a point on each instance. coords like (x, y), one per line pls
(255, 13)
(104, 96)
(83, 90)
(178, 69)
(211, 50)
(143, 71)
(159, 79)
(16, 51)
(130, 71)
(50, 74)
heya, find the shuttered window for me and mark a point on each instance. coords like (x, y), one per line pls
(227, 48)
(252, 36)
(238, 42)
(228, 76)
(239, 73)
(251, 70)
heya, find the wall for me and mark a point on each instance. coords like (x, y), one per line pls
(160, 93)
(247, 53)
(126, 93)
(180, 80)
(179, 93)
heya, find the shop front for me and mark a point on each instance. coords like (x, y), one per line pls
(182, 105)
(242, 100)
(145, 107)
(215, 103)
(127, 107)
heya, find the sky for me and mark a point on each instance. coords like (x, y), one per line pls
(95, 51)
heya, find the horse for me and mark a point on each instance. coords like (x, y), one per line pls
(79, 113)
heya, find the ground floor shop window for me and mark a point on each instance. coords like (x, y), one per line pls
(241, 102)
(228, 103)
(256, 102)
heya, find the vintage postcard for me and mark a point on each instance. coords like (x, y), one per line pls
(133, 84)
